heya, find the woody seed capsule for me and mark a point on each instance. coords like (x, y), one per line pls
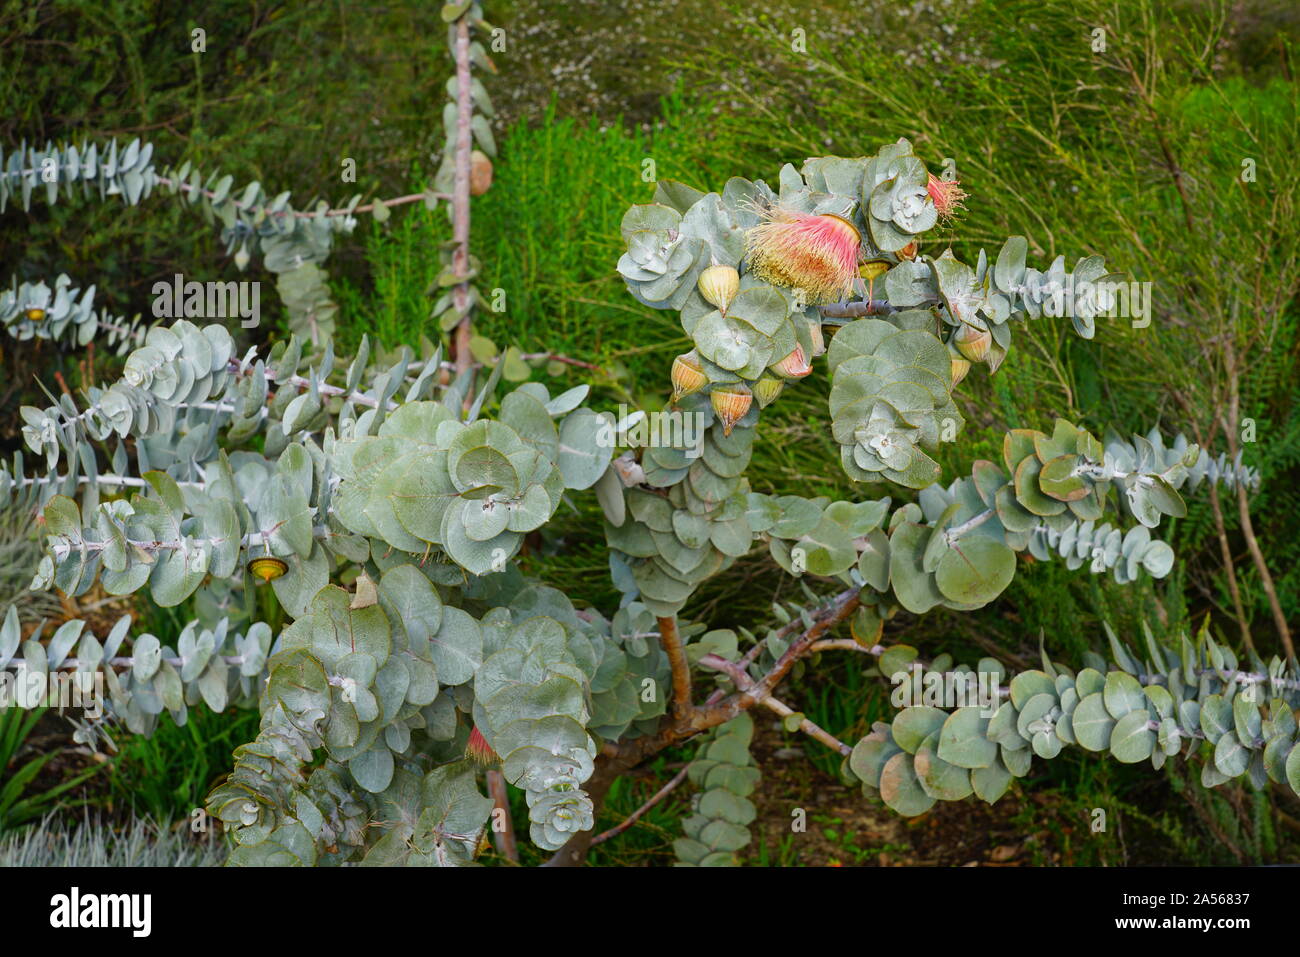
(793, 366)
(731, 402)
(687, 375)
(973, 342)
(960, 366)
(767, 388)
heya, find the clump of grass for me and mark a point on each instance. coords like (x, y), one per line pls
(91, 842)
(20, 552)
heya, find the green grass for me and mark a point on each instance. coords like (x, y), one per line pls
(21, 801)
(547, 235)
(169, 774)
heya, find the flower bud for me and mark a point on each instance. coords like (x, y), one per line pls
(960, 366)
(480, 173)
(767, 388)
(731, 402)
(719, 285)
(479, 750)
(793, 366)
(687, 375)
(818, 338)
(973, 342)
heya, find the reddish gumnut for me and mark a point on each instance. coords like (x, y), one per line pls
(793, 366)
(687, 375)
(480, 173)
(731, 402)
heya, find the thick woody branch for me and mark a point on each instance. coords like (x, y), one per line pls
(856, 310)
(845, 605)
(627, 755)
(712, 715)
(671, 642)
(795, 625)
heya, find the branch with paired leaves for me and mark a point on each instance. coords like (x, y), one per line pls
(65, 314)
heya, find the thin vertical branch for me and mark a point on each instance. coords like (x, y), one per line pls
(461, 200)
(505, 838)
(1243, 504)
(1220, 526)
(1216, 509)
(1265, 576)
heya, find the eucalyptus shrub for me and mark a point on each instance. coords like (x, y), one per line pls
(383, 501)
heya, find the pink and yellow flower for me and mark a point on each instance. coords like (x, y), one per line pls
(817, 254)
(479, 750)
(946, 194)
